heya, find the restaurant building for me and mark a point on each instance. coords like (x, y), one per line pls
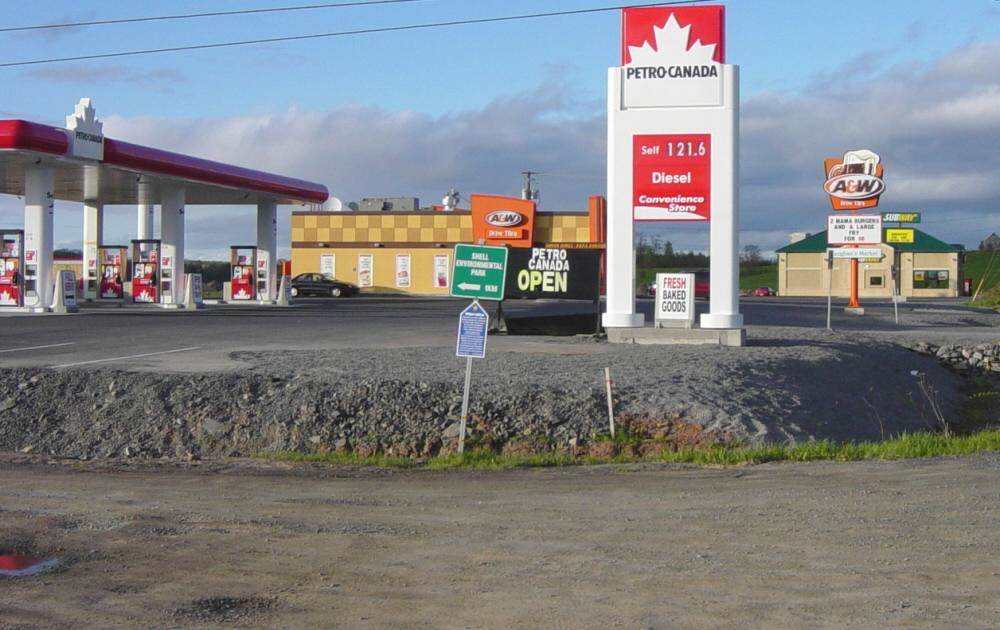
(929, 267)
(411, 252)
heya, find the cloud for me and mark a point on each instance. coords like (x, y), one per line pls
(363, 151)
(50, 35)
(161, 78)
(935, 125)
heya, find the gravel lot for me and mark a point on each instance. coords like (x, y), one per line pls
(867, 544)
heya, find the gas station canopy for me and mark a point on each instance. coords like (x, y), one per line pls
(115, 178)
(43, 164)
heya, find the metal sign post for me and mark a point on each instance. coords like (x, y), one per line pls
(829, 287)
(473, 326)
(895, 286)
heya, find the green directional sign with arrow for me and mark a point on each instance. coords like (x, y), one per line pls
(480, 271)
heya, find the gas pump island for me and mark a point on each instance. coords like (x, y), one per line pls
(146, 287)
(43, 165)
(673, 140)
(242, 266)
(112, 271)
(11, 268)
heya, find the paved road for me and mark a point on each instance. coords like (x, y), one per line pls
(872, 544)
(152, 339)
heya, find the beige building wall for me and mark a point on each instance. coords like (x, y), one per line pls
(914, 263)
(805, 274)
(420, 235)
(422, 276)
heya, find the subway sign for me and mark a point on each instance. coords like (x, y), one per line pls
(901, 217)
(553, 272)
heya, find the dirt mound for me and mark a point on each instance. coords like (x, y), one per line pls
(406, 401)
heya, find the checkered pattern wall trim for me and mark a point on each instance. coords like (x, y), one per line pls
(431, 228)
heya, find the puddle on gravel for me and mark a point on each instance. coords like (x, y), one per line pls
(25, 566)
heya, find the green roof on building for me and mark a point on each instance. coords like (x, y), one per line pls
(922, 242)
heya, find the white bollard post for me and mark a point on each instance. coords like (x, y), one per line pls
(192, 291)
(64, 293)
(285, 292)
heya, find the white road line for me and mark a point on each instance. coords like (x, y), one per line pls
(51, 345)
(131, 356)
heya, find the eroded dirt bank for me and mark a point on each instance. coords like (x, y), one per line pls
(407, 401)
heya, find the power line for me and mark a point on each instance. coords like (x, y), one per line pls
(189, 16)
(363, 31)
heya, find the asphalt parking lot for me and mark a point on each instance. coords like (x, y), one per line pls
(145, 338)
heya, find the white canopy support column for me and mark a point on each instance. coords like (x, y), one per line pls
(146, 211)
(267, 249)
(39, 207)
(172, 244)
(93, 236)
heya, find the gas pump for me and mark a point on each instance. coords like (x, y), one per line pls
(112, 261)
(146, 271)
(242, 265)
(263, 281)
(11, 267)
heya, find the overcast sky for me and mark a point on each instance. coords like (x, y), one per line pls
(418, 113)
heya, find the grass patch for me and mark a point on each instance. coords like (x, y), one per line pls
(750, 277)
(759, 276)
(975, 267)
(908, 446)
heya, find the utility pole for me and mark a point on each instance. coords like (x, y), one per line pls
(529, 191)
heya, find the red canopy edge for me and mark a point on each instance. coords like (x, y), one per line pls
(29, 136)
(157, 161)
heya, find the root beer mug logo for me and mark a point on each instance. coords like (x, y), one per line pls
(855, 181)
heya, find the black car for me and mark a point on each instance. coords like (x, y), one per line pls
(321, 284)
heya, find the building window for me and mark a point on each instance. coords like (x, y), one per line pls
(875, 281)
(930, 279)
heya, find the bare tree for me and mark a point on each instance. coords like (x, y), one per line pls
(751, 256)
